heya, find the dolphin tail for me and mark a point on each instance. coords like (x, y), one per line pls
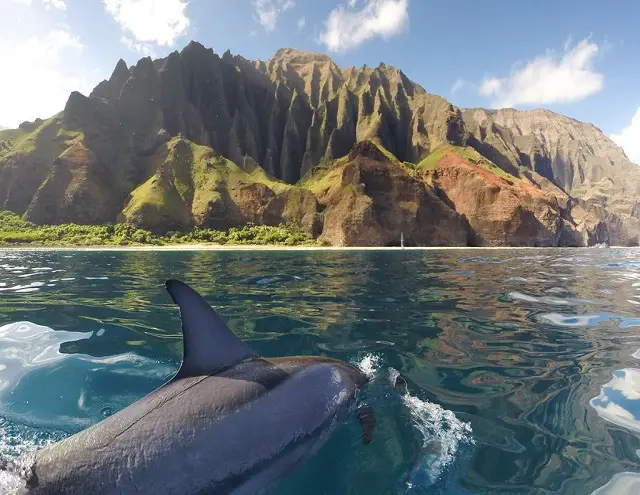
(367, 420)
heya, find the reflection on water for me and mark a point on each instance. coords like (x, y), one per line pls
(619, 400)
(621, 484)
(71, 385)
(518, 346)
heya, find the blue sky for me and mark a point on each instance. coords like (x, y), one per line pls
(578, 58)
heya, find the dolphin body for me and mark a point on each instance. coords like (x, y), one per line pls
(228, 422)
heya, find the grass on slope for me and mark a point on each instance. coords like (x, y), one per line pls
(8, 137)
(432, 161)
(14, 231)
(203, 163)
(159, 199)
(321, 177)
(48, 140)
(199, 175)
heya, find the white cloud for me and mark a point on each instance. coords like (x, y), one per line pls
(457, 86)
(348, 27)
(48, 4)
(160, 22)
(460, 84)
(629, 139)
(56, 4)
(548, 79)
(490, 86)
(302, 22)
(141, 48)
(44, 71)
(268, 11)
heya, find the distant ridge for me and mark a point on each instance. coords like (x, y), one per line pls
(200, 139)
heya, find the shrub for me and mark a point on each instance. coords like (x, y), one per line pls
(14, 230)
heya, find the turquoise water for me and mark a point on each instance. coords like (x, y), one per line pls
(523, 365)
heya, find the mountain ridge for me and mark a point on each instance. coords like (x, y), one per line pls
(299, 112)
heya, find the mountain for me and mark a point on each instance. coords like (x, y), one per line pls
(357, 156)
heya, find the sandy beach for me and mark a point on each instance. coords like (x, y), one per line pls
(246, 247)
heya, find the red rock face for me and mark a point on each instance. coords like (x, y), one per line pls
(503, 212)
(378, 200)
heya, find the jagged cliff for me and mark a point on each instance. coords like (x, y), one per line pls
(199, 139)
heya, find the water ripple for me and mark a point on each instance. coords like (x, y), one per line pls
(516, 343)
(619, 399)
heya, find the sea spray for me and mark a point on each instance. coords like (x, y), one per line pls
(442, 434)
(369, 365)
(16, 442)
(441, 431)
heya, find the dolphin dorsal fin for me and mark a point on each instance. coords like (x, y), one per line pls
(209, 345)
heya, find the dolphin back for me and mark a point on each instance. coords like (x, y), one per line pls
(229, 422)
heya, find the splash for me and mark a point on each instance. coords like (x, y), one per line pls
(16, 442)
(369, 365)
(442, 435)
(11, 482)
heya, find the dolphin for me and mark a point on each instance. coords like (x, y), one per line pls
(229, 422)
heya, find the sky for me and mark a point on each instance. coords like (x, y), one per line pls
(578, 58)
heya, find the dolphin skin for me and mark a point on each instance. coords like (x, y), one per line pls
(228, 422)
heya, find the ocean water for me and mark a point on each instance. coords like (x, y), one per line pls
(523, 366)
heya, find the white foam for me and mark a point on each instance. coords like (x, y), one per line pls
(16, 443)
(11, 483)
(442, 433)
(369, 365)
(19, 440)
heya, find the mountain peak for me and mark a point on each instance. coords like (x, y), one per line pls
(194, 45)
(120, 74)
(120, 68)
(298, 112)
(301, 57)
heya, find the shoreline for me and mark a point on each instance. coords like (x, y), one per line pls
(250, 247)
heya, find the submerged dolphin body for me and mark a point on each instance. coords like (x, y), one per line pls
(229, 422)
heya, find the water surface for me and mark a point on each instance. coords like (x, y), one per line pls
(523, 365)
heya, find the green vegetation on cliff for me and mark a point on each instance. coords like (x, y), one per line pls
(199, 140)
(14, 231)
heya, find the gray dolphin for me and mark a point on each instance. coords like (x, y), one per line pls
(228, 422)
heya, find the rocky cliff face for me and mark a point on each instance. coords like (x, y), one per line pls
(202, 139)
(192, 186)
(370, 199)
(288, 113)
(504, 211)
(576, 157)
